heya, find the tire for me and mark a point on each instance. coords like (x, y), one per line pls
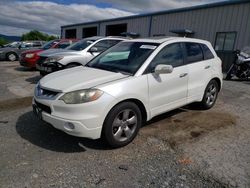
(43, 73)
(210, 95)
(122, 124)
(11, 56)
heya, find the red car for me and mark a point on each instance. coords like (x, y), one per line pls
(30, 57)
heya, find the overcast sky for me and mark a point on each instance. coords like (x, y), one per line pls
(20, 16)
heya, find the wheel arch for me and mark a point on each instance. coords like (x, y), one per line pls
(138, 103)
(218, 82)
(10, 52)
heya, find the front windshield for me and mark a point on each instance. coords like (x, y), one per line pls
(80, 45)
(125, 57)
(13, 45)
(49, 44)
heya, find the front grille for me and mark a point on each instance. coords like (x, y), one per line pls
(41, 60)
(48, 93)
(45, 93)
(43, 107)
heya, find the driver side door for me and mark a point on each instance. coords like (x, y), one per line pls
(168, 91)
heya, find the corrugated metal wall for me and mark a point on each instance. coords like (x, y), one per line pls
(138, 25)
(205, 23)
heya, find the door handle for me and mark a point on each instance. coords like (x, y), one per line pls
(207, 67)
(183, 75)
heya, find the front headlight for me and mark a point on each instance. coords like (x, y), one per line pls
(29, 55)
(53, 59)
(81, 96)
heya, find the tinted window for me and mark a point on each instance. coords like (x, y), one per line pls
(206, 52)
(169, 55)
(63, 45)
(37, 44)
(105, 44)
(194, 52)
(50, 44)
(80, 45)
(26, 45)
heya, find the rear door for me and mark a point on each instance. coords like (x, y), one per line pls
(168, 91)
(199, 71)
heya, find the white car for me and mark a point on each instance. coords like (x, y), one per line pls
(77, 54)
(127, 85)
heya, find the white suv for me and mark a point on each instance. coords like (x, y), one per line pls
(127, 85)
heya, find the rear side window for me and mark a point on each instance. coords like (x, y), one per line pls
(105, 44)
(63, 45)
(37, 44)
(194, 52)
(169, 55)
(207, 52)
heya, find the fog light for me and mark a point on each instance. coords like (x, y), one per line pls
(69, 126)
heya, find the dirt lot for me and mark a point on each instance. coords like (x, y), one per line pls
(183, 148)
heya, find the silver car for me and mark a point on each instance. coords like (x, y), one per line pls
(12, 51)
(77, 54)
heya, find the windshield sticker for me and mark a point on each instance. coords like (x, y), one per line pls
(150, 47)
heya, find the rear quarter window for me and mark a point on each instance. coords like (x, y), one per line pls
(194, 52)
(207, 52)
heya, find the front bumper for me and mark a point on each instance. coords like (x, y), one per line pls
(2, 56)
(47, 68)
(82, 120)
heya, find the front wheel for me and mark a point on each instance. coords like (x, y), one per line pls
(210, 95)
(11, 56)
(122, 124)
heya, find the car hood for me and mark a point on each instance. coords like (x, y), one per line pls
(78, 78)
(54, 52)
(6, 49)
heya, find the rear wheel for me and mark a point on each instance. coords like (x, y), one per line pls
(122, 124)
(11, 56)
(210, 95)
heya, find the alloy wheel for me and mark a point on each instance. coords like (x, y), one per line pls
(211, 94)
(124, 125)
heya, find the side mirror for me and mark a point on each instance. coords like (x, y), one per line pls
(93, 50)
(164, 69)
(19, 47)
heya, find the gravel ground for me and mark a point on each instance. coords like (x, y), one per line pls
(183, 148)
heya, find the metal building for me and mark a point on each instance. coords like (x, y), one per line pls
(225, 24)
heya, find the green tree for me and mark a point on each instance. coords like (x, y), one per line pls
(37, 35)
(3, 41)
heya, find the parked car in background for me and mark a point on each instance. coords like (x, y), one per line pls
(77, 54)
(127, 85)
(12, 52)
(14, 44)
(29, 58)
